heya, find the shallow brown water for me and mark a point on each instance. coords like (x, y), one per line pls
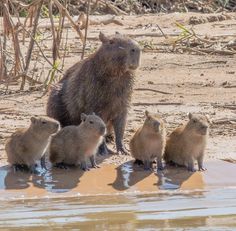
(118, 198)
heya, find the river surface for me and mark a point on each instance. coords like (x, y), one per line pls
(119, 198)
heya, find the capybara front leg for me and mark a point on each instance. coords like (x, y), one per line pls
(43, 162)
(191, 165)
(93, 162)
(119, 128)
(200, 163)
(147, 165)
(160, 166)
(84, 166)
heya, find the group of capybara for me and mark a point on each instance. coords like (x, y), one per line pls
(92, 100)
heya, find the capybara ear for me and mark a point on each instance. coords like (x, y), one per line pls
(190, 115)
(33, 119)
(83, 116)
(147, 113)
(103, 38)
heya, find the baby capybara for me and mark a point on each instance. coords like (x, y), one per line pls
(102, 83)
(26, 146)
(187, 143)
(148, 143)
(73, 145)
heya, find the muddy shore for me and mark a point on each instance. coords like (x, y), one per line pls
(171, 84)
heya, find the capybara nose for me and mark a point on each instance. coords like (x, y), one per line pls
(204, 127)
(133, 66)
(102, 130)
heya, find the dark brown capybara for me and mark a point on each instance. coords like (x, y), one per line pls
(101, 83)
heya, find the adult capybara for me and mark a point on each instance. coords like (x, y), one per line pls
(102, 83)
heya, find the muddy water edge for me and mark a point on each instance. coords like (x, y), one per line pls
(124, 199)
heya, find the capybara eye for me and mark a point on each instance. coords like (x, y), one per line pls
(91, 122)
(132, 50)
(194, 121)
(44, 122)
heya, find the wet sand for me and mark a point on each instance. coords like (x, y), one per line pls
(118, 198)
(112, 180)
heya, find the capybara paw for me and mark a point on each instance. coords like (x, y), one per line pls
(122, 151)
(61, 166)
(202, 169)
(138, 162)
(21, 167)
(160, 168)
(192, 170)
(147, 169)
(96, 166)
(85, 169)
(34, 171)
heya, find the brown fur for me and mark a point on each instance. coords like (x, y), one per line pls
(102, 83)
(148, 143)
(187, 143)
(73, 145)
(26, 146)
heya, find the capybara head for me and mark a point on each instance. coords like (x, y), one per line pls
(199, 123)
(44, 125)
(122, 52)
(153, 122)
(94, 123)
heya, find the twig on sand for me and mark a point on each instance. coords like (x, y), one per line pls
(229, 86)
(154, 104)
(225, 121)
(153, 90)
(86, 28)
